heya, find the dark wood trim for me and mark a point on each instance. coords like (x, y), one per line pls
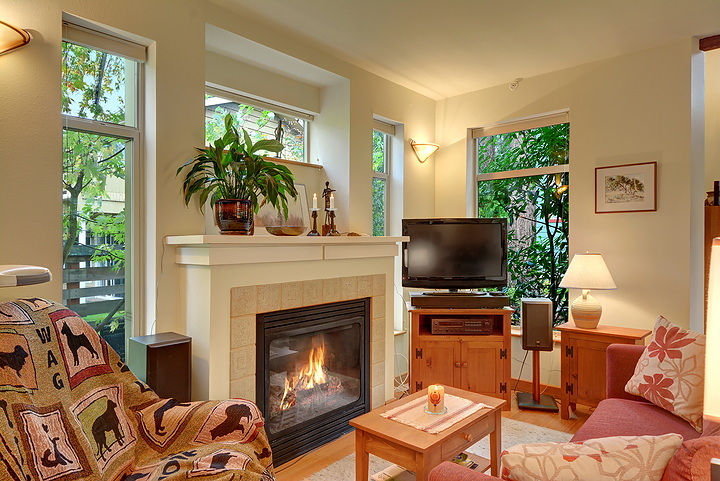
(710, 43)
(527, 386)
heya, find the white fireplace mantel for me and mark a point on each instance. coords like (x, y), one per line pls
(213, 250)
(214, 268)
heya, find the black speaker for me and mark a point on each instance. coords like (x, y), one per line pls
(537, 324)
(163, 362)
(536, 337)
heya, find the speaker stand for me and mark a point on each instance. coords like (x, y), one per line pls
(538, 401)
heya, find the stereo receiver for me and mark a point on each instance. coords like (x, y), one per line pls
(474, 326)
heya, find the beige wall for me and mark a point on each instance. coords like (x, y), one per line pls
(30, 97)
(633, 108)
(30, 144)
(712, 118)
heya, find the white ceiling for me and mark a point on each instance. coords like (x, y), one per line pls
(443, 48)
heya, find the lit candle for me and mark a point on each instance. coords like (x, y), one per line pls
(436, 398)
(314, 201)
(332, 201)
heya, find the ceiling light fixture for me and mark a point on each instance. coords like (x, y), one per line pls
(423, 150)
(12, 38)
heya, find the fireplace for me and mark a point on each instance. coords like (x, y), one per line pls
(312, 373)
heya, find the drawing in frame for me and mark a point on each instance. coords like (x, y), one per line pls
(270, 221)
(626, 188)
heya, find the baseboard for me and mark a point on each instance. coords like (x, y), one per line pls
(527, 386)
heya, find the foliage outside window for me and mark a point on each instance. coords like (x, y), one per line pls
(536, 207)
(259, 123)
(99, 105)
(379, 182)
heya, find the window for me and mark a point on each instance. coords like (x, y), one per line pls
(380, 167)
(101, 141)
(261, 121)
(522, 174)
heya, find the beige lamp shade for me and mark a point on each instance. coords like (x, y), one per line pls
(12, 37)
(712, 333)
(423, 150)
(587, 271)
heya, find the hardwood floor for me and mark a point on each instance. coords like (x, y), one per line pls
(318, 459)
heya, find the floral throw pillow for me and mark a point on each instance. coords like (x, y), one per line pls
(671, 372)
(618, 458)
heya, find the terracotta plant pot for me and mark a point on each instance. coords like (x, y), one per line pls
(235, 216)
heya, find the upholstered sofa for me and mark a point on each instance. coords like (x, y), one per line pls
(71, 409)
(623, 414)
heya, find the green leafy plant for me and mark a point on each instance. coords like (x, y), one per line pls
(231, 168)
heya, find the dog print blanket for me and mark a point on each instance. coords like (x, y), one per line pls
(71, 409)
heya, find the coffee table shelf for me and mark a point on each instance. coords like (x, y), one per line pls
(418, 450)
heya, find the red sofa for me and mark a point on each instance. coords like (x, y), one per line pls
(620, 414)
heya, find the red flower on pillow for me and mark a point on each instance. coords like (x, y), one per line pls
(655, 389)
(667, 343)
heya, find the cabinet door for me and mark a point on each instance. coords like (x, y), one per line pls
(433, 362)
(590, 368)
(482, 370)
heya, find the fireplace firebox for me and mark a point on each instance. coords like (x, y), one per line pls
(312, 373)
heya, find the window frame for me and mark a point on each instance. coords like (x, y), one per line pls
(214, 90)
(383, 175)
(136, 242)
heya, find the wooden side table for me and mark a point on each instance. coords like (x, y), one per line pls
(419, 451)
(583, 362)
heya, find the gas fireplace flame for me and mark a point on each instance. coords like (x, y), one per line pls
(314, 373)
(313, 376)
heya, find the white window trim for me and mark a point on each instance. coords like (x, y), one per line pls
(385, 175)
(241, 99)
(543, 120)
(137, 232)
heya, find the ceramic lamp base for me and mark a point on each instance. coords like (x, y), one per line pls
(586, 311)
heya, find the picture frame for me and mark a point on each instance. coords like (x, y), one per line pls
(626, 188)
(269, 221)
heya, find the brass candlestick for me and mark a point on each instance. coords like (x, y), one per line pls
(314, 231)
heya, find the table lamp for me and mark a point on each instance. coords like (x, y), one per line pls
(587, 271)
(16, 275)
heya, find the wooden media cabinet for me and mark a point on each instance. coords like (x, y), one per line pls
(474, 362)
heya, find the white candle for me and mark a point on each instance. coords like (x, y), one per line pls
(332, 201)
(436, 398)
(314, 201)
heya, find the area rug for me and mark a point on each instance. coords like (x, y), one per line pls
(514, 432)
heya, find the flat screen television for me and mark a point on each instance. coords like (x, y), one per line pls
(455, 253)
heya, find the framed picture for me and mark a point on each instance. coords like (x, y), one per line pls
(271, 221)
(626, 188)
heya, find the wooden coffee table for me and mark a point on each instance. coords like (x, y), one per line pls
(417, 450)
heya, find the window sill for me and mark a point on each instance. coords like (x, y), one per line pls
(517, 332)
(293, 162)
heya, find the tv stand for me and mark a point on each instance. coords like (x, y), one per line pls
(473, 362)
(465, 300)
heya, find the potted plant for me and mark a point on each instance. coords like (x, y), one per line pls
(237, 180)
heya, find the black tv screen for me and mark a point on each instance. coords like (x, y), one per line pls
(456, 253)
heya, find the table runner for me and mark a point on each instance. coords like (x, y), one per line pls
(413, 413)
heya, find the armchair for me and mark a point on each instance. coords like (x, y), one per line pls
(71, 409)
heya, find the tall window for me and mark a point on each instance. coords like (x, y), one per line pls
(381, 137)
(101, 139)
(522, 175)
(261, 121)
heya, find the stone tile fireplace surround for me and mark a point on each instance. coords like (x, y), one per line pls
(248, 301)
(226, 280)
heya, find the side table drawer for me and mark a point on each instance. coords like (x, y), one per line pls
(467, 437)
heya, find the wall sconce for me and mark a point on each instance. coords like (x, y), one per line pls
(423, 150)
(12, 37)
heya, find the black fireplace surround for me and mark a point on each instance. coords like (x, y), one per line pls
(313, 373)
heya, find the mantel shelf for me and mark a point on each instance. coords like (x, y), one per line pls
(209, 250)
(271, 240)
